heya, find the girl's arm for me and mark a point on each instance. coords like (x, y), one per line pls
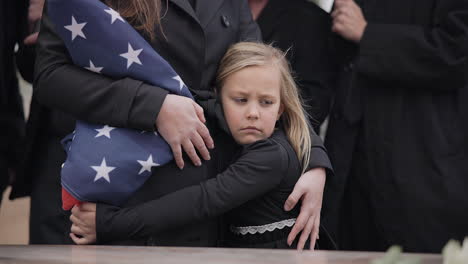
(260, 168)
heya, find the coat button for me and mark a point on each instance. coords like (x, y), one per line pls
(225, 21)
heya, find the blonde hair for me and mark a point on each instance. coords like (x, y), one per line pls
(296, 124)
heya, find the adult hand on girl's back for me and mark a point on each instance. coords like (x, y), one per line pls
(309, 190)
(83, 230)
(181, 123)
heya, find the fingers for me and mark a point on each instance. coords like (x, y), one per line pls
(76, 210)
(201, 147)
(300, 224)
(205, 134)
(86, 240)
(88, 207)
(31, 39)
(202, 130)
(76, 239)
(315, 232)
(76, 221)
(190, 150)
(177, 152)
(75, 229)
(305, 234)
(181, 123)
(199, 112)
(293, 198)
(338, 27)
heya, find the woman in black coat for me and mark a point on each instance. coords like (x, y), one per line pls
(197, 33)
(395, 136)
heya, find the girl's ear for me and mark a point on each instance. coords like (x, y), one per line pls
(280, 111)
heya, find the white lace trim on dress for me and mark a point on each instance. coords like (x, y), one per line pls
(244, 230)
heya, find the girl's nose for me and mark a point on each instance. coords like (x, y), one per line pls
(252, 112)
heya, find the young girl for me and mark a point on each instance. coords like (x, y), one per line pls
(263, 114)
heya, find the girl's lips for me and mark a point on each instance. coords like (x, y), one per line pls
(251, 128)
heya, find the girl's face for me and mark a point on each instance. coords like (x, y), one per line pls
(251, 102)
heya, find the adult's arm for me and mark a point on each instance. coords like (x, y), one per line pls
(318, 154)
(89, 96)
(260, 168)
(418, 56)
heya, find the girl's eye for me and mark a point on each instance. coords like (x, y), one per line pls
(266, 102)
(240, 100)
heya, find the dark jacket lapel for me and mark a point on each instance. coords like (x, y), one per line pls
(185, 5)
(206, 9)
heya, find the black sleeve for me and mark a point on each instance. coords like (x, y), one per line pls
(424, 57)
(318, 155)
(260, 168)
(249, 30)
(89, 96)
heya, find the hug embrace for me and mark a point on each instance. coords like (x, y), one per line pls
(260, 178)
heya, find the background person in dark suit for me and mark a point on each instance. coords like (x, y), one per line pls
(196, 35)
(395, 135)
(304, 30)
(16, 25)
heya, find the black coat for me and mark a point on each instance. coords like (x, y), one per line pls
(304, 30)
(395, 136)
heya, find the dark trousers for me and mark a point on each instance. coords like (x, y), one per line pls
(359, 228)
(48, 223)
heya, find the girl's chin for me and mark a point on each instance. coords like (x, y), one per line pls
(249, 139)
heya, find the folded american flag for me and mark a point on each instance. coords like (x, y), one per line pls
(108, 164)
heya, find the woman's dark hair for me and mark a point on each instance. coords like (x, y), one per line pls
(143, 15)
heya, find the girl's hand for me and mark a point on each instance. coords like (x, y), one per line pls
(83, 230)
(181, 123)
(309, 190)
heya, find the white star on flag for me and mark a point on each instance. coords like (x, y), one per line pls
(147, 165)
(114, 15)
(94, 68)
(105, 131)
(102, 171)
(76, 29)
(181, 83)
(132, 56)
